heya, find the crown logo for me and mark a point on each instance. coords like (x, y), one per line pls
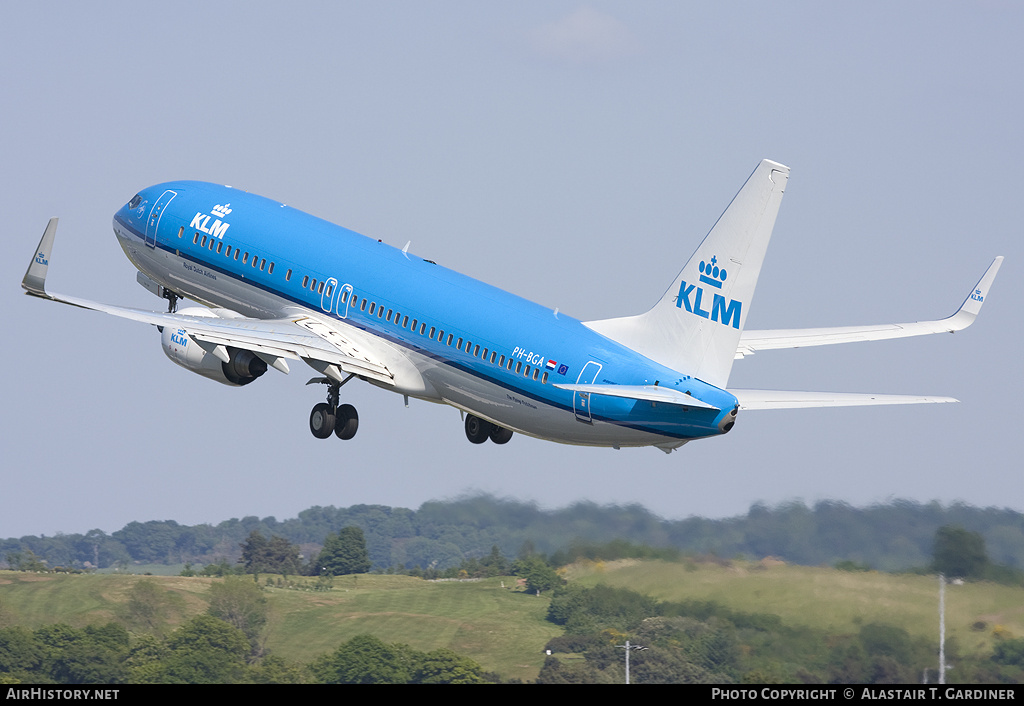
(221, 211)
(711, 274)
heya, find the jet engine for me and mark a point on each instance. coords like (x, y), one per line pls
(242, 367)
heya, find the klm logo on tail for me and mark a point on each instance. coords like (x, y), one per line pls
(692, 296)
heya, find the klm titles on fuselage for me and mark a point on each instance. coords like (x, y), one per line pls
(201, 221)
(691, 296)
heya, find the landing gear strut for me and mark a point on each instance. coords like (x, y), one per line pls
(480, 430)
(331, 418)
(172, 300)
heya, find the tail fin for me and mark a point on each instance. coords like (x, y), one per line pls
(696, 326)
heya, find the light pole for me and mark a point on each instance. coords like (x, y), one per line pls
(942, 628)
(629, 647)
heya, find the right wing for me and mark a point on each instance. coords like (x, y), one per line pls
(306, 338)
(753, 341)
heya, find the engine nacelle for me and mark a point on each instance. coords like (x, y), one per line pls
(243, 366)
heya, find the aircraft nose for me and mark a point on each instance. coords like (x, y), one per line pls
(135, 210)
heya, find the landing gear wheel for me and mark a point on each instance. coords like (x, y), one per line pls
(500, 435)
(477, 430)
(321, 420)
(346, 424)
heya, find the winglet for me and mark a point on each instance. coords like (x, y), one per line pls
(34, 282)
(967, 312)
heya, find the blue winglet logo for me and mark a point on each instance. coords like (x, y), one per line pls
(41, 259)
(977, 296)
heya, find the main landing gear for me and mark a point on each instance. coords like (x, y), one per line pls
(480, 430)
(331, 418)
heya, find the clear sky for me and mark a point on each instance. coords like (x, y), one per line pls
(572, 153)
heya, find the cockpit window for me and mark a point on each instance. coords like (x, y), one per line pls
(136, 200)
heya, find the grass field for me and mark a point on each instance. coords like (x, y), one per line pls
(504, 630)
(826, 599)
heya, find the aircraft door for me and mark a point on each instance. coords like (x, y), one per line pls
(154, 216)
(344, 296)
(581, 400)
(330, 291)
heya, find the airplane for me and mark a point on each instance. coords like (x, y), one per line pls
(278, 285)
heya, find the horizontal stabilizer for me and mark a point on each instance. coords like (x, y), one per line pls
(788, 399)
(649, 393)
(753, 341)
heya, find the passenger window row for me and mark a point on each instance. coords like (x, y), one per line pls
(216, 245)
(435, 333)
(321, 287)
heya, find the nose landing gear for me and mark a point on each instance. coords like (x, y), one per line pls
(331, 418)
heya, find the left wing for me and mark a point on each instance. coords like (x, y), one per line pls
(753, 341)
(306, 338)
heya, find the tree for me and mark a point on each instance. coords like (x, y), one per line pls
(446, 667)
(21, 654)
(537, 574)
(254, 553)
(241, 603)
(344, 553)
(1010, 652)
(205, 650)
(365, 660)
(959, 553)
(149, 606)
(96, 656)
(25, 561)
(274, 556)
(495, 564)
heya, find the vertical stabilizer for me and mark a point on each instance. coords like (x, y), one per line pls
(695, 327)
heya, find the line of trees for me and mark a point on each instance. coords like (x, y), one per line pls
(343, 553)
(209, 650)
(442, 535)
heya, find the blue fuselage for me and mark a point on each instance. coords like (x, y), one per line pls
(467, 344)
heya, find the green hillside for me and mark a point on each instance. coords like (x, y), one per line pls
(826, 599)
(506, 630)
